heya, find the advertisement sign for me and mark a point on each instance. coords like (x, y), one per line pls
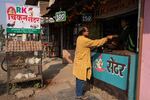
(60, 16)
(87, 17)
(22, 19)
(112, 69)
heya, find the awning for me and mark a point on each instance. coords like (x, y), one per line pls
(67, 5)
(33, 2)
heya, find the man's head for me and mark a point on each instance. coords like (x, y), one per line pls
(124, 23)
(84, 31)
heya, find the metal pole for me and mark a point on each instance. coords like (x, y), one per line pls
(61, 31)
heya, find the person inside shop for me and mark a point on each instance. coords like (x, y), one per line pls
(127, 38)
(82, 61)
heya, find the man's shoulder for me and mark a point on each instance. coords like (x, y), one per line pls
(82, 37)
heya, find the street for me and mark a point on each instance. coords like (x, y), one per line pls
(59, 83)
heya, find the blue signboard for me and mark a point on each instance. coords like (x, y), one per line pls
(112, 69)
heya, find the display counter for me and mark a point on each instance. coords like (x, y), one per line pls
(117, 68)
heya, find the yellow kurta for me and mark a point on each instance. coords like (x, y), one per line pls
(82, 61)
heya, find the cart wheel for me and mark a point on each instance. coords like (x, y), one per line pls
(4, 65)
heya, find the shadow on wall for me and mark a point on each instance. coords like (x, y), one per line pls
(146, 17)
(146, 25)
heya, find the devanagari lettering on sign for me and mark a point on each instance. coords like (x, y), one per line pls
(115, 68)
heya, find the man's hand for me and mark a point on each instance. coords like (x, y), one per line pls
(112, 36)
(109, 36)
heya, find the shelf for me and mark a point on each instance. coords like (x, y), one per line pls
(23, 64)
(18, 54)
(24, 51)
(22, 46)
(38, 77)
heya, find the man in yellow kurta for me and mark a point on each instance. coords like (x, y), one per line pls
(82, 62)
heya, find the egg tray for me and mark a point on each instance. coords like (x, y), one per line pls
(19, 46)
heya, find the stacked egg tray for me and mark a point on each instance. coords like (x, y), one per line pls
(19, 46)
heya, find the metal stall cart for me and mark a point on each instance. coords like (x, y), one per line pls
(23, 53)
(24, 62)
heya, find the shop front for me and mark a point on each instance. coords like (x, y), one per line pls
(115, 64)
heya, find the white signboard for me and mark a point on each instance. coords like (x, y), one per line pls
(22, 19)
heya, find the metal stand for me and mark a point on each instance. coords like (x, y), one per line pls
(23, 64)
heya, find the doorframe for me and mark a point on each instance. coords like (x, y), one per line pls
(140, 39)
